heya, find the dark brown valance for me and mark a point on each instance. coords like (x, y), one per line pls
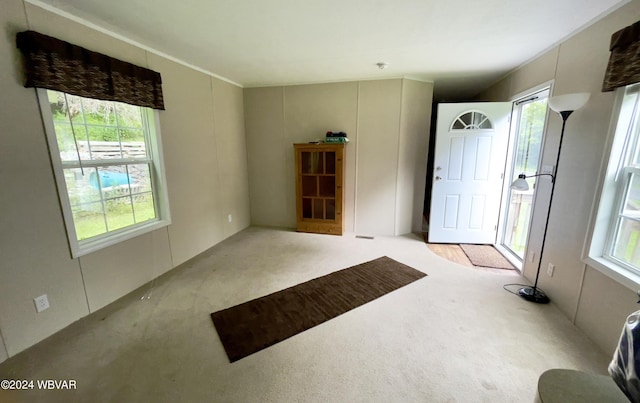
(58, 65)
(624, 62)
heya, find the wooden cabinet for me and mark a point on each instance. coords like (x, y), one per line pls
(320, 188)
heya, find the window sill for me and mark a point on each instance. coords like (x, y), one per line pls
(85, 247)
(614, 272)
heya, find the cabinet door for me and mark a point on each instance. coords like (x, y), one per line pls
(319, 188)
(318, 184)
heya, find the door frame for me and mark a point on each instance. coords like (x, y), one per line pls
(509, 172)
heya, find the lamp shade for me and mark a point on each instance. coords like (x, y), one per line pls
(569, 102)
(520, 183)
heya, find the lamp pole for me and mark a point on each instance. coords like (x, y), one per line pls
(529, 293)
(564, 105)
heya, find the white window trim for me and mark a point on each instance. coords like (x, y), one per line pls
(605, 200)
(81, 248)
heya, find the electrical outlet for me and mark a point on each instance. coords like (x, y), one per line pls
(230, 217)
(42, 303)
(550, 269)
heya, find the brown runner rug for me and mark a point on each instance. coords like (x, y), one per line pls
(252, 326)
(486, 256)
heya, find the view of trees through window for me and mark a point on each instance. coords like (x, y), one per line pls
(107, 169)
(530, 119)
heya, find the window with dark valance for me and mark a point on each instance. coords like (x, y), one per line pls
(58, 65)
(624, 63)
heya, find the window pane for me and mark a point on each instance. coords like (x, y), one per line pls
(312, 163)
(327, 186)
(85, 201)
(632, 202)
(485, 124)
(331, 209)
(66, 108)
(82, 188)
(627, 244)
(125, 190)
(306, 208)
(129, 116)
(140, 178)
(88, 219)
(99, 134)
(143, 207)
(66, 144)
(530, 131)
(458, 125)
(330, 162)
(517, 225)
(309, 185)
(119, 213)
(318, 209)
(466, 119)
(127, 134)
(481, 121)
(63, 115)
(530, 118)
(58, 106)
(80, 131)
(133, 148)
(103, 129)
(113, 181)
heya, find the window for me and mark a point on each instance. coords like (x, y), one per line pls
(471, 121)
(623, 245)
(108, 167)
(614, 247)
(527, 132)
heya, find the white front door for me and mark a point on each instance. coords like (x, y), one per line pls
(469, 163)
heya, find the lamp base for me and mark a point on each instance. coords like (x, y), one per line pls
(532, 294)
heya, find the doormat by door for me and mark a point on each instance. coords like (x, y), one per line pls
(257, 324)
(486, 256)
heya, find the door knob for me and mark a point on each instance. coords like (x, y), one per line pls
(438, 178)
(438, 168)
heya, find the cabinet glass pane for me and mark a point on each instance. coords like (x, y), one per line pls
(312, 162)
(309, 186)
(306, 208)
(331, 210)
(330, 160)
(327, 186)
(318, 209)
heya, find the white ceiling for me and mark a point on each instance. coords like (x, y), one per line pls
(463, 46)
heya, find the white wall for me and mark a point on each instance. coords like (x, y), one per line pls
(205, 161)
(415, 121)
(596, 304)
(387, 122)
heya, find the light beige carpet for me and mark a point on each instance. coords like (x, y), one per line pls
(457, 336)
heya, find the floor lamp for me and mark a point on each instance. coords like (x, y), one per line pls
(565, 105)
